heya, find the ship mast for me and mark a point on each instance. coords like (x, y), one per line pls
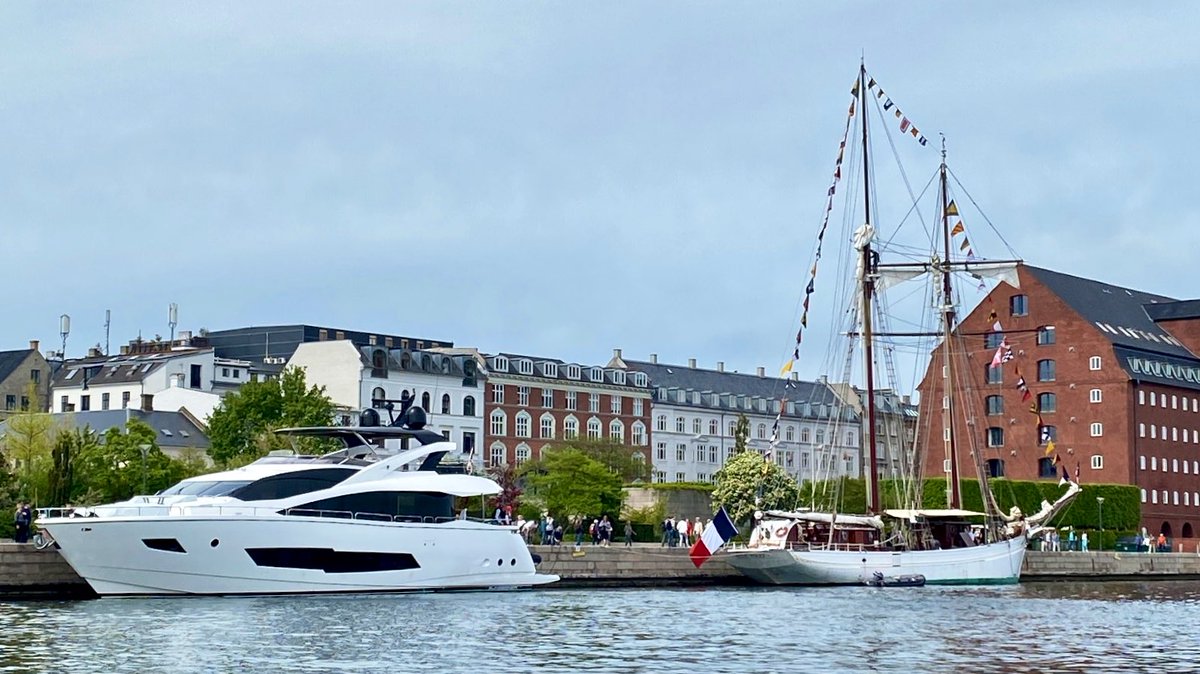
(868, 290)
(953, 497)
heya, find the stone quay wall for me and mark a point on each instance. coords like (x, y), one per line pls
(26, 572)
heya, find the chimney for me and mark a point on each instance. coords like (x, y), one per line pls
(147, 402)
(94, 352)
(720, 366)
(654, 358)
(762, 371)
(692, 363)
(34, 344)
(617, 354)
(124, 350)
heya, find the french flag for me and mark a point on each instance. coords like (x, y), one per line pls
(716, 534)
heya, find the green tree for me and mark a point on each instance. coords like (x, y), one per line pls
(619, 458)
(741, 431)
(127, 462)
(240, 429)
(569, 484)
(69, 445)
(749, 482)
(28, 444)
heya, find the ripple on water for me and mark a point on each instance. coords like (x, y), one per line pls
(1067, 627)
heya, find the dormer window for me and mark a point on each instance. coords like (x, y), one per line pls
(550, 369)
(500, 363)
(639, 379)
(525, 366)
(573, 372)
(596, 374)
(618, 376)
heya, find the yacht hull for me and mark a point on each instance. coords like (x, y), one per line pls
(278, 554)
(994, 563)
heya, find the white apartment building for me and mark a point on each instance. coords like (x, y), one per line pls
(695, 412)
(445, 383)
(99, 382)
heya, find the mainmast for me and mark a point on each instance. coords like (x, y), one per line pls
(869, 258)
(953, 497)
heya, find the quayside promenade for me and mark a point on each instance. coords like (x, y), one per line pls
(26, 572)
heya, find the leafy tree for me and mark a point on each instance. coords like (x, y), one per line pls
(28, 444)
(741, 431)
(749, 482)
(240, 429)
(505, 475)
(614, 455)
(69, 445)
(126, 463)
(569, 484)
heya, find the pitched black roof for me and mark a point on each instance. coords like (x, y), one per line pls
(687, 378)
(172, 429)
(1123, 315)
(11, 360)
(1174, 311)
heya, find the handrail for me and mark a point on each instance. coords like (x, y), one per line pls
(121, 510)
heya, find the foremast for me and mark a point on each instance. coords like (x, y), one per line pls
(953, 495)
(868, 268)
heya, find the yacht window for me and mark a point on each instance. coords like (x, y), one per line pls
(198, 488)
(403, 505)
(291, 484)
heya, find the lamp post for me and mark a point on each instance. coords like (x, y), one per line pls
(145, 450)
(1100, 505)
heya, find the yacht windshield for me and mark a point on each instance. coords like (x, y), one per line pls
(201, 488)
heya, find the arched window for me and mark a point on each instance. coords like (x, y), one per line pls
(425, 400)
(499, 423)
(547, 426)
(523, 423)
(1047, 402)
(445, 403)
(638, 457)
(714, 427)
(616, 430)
(522, 453)
(378, 396)
(762, 432)
(469, 406)
(570, 428)
(789, 433)
(593, 429)
(696, 426)
(497, 453)
(638, 433)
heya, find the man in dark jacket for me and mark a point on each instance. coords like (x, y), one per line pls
(23, 520)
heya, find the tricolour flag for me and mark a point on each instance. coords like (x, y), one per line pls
(716, 534)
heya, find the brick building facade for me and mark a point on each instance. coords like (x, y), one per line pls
(1112, 373)
(531, 403)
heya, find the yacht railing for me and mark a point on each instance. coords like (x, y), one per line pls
(253, 511)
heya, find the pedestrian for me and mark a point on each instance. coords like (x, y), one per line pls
(558, 534)
(1071, 540)
(1083, 542)
(698, 529)
(22, 520)
(578, 532)
(1162, 541)
(683, 527)
(628, 534)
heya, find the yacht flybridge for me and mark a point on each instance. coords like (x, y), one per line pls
(354, 520)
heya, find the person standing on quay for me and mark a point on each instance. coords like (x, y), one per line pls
(628, 534)
(23, 518)
(1083, 542)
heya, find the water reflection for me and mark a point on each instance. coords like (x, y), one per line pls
(1025, 628)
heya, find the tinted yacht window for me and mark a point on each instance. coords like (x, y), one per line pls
(291, 484)
(403, 504)
(198, 488)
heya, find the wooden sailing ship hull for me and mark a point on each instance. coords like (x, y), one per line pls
(990, 564)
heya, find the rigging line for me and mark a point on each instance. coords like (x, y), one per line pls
(986, 219)
(887, 132)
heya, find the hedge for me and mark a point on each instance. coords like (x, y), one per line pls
(1122, 503)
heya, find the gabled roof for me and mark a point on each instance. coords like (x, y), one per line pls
(1123, 315)
(172, 429)
(685, 378)
(11, 360)
(122, 369)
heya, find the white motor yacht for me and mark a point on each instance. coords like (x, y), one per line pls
(350, 521)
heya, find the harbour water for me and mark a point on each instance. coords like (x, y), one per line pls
(1063, 627)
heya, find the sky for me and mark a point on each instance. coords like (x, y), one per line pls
(559, 179)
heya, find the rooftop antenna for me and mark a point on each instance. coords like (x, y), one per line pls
(107, 325)
(64, 329)
(173, 320)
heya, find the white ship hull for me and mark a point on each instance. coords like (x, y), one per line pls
(277, 554)
(981, 564)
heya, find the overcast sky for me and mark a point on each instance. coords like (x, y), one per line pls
(556, 179)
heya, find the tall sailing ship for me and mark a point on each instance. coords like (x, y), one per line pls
(945, 545)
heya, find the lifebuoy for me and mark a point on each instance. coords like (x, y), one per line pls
(781, 532)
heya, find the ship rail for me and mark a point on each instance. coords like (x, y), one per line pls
(251, 511)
